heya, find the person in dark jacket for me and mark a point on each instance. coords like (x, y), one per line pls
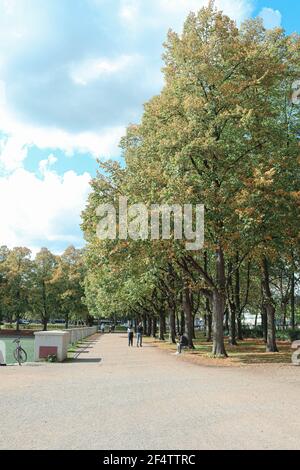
(182, 343)
(130, 335)
(139, 335)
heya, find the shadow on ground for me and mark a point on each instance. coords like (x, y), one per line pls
(81, 360)
(247, 352)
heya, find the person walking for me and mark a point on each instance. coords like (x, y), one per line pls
(139, 335)
(130, 335)
(182, 343)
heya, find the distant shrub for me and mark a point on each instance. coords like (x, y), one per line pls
(288, 335)
(283, 335)
(252, 332)
(294, 335)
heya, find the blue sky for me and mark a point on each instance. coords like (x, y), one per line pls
(73, 75)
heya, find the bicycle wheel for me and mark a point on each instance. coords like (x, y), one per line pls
(20, 356)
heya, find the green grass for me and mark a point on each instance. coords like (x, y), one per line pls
(26, 343)
(75, 349)
(249, 351)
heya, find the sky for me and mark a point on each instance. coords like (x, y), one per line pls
(73, 75)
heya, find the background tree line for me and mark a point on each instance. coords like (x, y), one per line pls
(224, 132)
(45, 288)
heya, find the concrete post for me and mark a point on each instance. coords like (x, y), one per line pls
(51, 343)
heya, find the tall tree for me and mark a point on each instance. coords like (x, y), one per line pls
(42, 290)
(217, 134)
(68, 282)
(18, 267)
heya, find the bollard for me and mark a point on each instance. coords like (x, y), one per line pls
(2, 354)
(51, 343)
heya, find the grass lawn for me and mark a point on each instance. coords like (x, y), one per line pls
(249, 351)
(26, 343)
(78, 348)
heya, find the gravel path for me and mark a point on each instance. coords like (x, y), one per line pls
(113, 397)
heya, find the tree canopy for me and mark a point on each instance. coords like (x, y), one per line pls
(224, 132)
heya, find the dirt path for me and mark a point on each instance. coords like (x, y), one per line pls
(113, 397)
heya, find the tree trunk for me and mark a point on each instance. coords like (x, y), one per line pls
(293, 322)
(177, 322)
(164, 325)
(208, 326)
(219, 307)
(188, 315)
(264, 323)
(232, 328)
(172, 321)
(208, 316)
(149, 330)
(239, 328)
(218, 328)
(182, 329)
(18, 315)
(271, 337)
(270, 308)
(45, 313)
(67, 322)
(193, 325)
(45, 324)
(263, 316)
(161, 325)
(154, 327)
(145, 323)
(238, 300)
(226, 314)
(284, 314)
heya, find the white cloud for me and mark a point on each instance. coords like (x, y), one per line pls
(234, 8)
(46, 209)
(129, 12)
(20, 22)
(19, 136)
(89, 113)
(45, 165)
(9, 6)
(171, 13)
(94, 69)
(80, 107)
(12, 154)
(2, 93)
(271, 18)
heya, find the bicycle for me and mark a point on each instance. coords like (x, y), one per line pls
(20, 354)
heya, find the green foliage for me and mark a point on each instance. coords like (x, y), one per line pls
(44, 288)
(223, 132)
(294, 335)
(255, 332)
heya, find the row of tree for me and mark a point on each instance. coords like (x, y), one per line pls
(44, 288)
(224, 132)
